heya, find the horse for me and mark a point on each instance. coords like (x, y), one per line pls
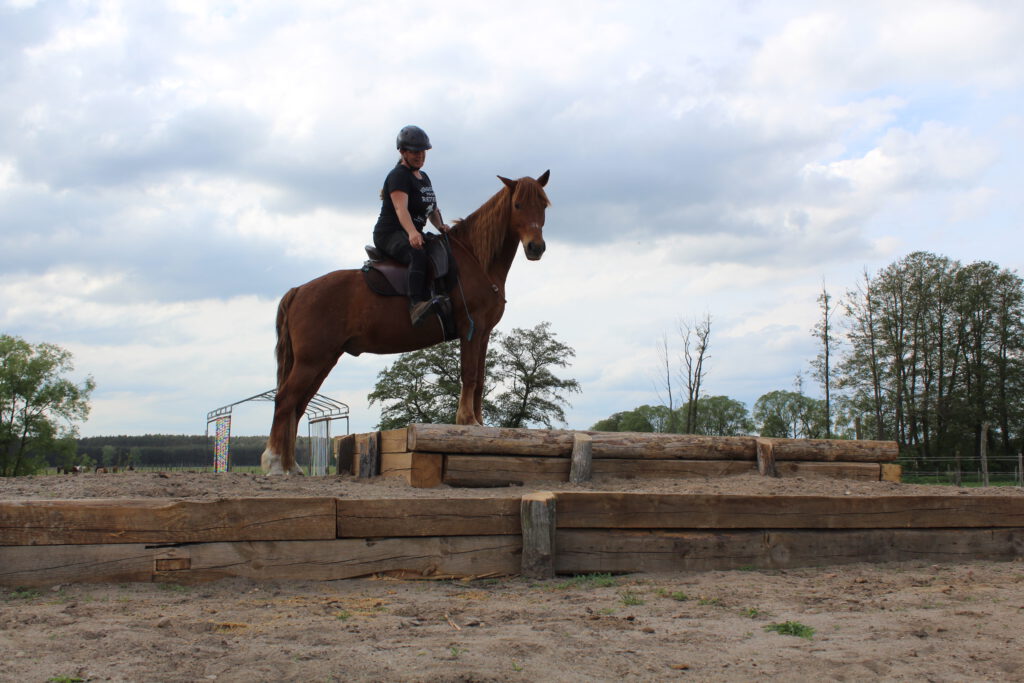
(337, 313)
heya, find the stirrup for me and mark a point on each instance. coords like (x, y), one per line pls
(420, 310)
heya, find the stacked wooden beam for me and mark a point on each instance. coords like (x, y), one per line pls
(427, 455)
(46, 542)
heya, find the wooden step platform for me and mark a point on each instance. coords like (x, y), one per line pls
(427, 455)
(46, 542)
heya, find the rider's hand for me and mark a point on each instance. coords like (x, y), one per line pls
(444, 228)
(416, 240)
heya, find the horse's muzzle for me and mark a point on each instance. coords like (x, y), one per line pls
(534, 250)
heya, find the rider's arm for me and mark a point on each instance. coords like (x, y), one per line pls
(438, 222)
(401, 201)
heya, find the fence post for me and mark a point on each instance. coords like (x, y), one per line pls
(984, 453)
(1020, 468)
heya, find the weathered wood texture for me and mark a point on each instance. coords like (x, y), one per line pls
(685, 511)
(367, 456)
(502, 470)
(462, 556)
(344, 453)
(371, 518)
(766, 458)
(56, 522)
(893, 473)
(581, 466)
(628, 445)
(419, 470)
(394, 441)
(539, 523)
(591, 550)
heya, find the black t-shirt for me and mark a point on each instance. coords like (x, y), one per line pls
(422, 202)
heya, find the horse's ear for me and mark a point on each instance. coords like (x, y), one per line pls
(510, 184)
(543, 179)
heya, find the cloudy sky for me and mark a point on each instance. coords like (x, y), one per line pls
(169, 169)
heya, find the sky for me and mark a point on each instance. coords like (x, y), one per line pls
(169, 169)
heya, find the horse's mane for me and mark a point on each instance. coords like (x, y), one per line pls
(485, 229)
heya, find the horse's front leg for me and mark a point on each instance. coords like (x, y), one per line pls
(473, 354)
(481, 373)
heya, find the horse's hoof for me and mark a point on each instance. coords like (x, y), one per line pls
(271, 463)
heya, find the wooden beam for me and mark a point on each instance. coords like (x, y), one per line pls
(690, 511)
(893, 473)
(503, 470)
(537, 513)
(766, 459)
(344, 453)
(375, 518)
(471, 440)
(583, 551)
(53, 522)
(367, 458)
(394, 441)
(419, 470)
(581, 462)
(465, 556)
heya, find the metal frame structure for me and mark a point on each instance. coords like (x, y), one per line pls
(320, 413)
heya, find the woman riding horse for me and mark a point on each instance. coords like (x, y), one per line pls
(407, 203)
(338, 313)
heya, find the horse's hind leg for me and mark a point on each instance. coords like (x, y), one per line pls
(292, 398)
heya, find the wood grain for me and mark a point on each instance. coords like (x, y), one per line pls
(51, 522)
(591, 550)
(685, 511)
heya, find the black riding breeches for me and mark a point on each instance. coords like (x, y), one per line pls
(396, 245)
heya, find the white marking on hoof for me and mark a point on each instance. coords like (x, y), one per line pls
(297, 471)
(271, 463)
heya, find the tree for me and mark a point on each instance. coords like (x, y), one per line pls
(424, 386)
(718, 416)
(39, 406)
(696, 339)
(789, 415)
(822, 365)
(723, 416)
(532, 394)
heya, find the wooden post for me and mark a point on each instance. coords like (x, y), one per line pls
(537, 516)
(344, 450)
(582, 459)
(368, 449)
(766, 458)
(983, 452)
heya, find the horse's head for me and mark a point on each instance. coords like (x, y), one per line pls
(528, 204)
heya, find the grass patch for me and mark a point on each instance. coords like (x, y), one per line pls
(678, 596)
(24, 594)
(792, 628)
(588, 581)
(631, 599)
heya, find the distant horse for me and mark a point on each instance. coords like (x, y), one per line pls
(337, 313)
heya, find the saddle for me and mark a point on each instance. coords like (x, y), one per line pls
(388, 277)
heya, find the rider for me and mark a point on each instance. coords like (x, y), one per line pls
(408, 202)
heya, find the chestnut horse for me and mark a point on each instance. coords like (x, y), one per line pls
(337, 313)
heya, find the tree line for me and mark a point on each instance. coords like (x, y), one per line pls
(928, 352)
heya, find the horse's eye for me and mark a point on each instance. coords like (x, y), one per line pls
(516, 206)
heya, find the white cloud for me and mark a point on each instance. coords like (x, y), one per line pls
(167, 170)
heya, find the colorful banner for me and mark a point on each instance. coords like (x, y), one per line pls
(222, 444)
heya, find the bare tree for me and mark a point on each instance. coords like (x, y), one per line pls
(822, 365)
(696, 340)
(665, 382)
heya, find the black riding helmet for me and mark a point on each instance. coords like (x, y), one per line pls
(413, 139)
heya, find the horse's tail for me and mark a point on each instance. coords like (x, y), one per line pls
(285, 358)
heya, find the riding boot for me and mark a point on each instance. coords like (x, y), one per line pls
(418, 293)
